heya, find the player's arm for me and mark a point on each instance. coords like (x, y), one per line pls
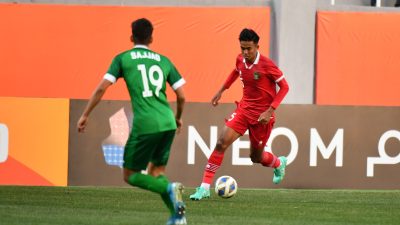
(280, 95)
(180, 102)
(94, 100)
(113, 73)
(283, 90)
(176, 81)
(229, 81)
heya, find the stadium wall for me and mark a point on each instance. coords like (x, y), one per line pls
(69, 62)
(358, 54)
(292, 34)
(327, 146)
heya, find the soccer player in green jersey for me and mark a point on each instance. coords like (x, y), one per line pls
(154, 124)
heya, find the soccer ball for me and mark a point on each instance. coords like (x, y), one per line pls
(226, 186)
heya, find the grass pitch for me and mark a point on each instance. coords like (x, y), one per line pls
(104, 205)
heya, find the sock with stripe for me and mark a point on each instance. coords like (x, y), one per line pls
(214, 162)
(270, 160)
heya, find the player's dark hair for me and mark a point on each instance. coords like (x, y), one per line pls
(249, 35)
(142, 29)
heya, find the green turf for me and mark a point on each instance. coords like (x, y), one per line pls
(103, 205)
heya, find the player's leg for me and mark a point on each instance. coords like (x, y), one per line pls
(144, 181)
(159, 173)
(234, 128)
(138, 153)
(259, 134)
(154, 170)
(227, 137)
(173, 198)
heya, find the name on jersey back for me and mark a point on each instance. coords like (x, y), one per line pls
(145, 55)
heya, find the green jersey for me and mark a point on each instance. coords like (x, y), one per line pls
(146, 73)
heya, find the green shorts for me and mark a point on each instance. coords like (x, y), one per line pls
(145, 148)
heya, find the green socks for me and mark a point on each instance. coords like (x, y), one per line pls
(165, 197)
(155, 184)
(148, 182)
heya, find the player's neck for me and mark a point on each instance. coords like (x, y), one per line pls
(250, 62)
(141, 46)
(253, 60)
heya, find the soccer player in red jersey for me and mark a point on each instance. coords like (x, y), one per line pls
(255, 112)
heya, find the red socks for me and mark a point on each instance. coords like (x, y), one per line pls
(270, 160)
(214, 162)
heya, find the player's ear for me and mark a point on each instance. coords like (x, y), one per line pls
(131, 38)
(151, 40)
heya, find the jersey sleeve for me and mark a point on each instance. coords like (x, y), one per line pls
(115, 70)
(277, 76)
(231, 78)
(174, 79)
(283, 90)
(273, 71)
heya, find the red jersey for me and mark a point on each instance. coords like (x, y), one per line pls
(259, 81)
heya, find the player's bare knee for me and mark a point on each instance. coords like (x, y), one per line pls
(220, 148)
(255, 155)
(255, 158)
(156, 173)
(221, 145)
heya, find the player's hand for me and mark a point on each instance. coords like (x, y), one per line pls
(179, 124)
(216, 98)
(82, 124)
(266, 116)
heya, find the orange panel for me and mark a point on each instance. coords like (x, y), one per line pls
(16, 173)
(358, 59)
(63, 51)
(37, 141)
